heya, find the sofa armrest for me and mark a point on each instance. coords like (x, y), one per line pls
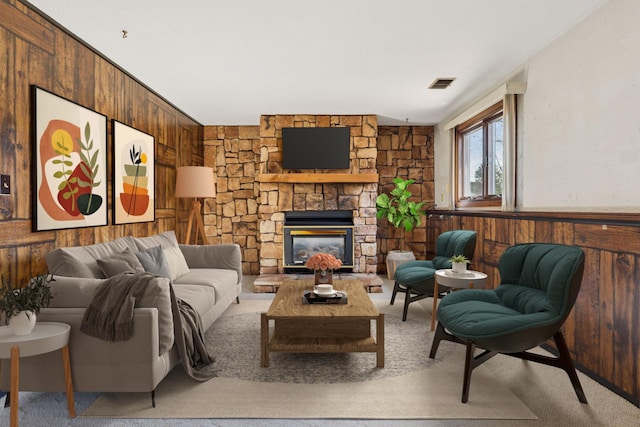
(72, 292)
(226, 256)
(142, 345)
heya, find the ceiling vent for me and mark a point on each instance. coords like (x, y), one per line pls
(442, 83)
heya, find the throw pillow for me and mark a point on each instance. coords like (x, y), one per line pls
(175, 258)
(154, 261)
(124, 262)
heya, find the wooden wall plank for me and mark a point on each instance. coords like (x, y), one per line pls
(624, 290)
(30, 60)
(105, 81)
(21, 25)
(611, 238)
(524, 231)
(7, 129)
(587, 337)
(18, 232)
(491, 252)
(563, 233)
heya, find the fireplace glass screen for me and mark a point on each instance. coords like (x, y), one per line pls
(300, 243)
(305, 246)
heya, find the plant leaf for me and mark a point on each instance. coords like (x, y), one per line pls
(94, 159)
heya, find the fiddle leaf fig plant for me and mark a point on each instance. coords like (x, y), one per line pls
(397, 208)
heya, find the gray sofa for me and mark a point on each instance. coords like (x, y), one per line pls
(207, 277)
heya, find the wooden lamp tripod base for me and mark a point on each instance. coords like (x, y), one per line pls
(195, 213)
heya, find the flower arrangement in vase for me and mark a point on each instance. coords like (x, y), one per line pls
(323, 266)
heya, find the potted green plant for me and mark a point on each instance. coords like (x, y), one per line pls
(459, 263)
(397, 208)
(401, 212)
(21, 305)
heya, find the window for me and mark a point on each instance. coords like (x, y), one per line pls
(480, 159)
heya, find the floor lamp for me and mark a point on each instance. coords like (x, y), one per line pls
(195, 182)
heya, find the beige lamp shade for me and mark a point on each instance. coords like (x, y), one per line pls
(195, 182)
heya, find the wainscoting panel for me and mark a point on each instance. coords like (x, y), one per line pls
(603, 330)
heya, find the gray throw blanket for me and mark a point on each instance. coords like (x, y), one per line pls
(110, 317)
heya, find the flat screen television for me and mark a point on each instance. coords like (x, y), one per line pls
(315, 148)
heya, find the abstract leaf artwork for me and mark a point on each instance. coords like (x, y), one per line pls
(133, 175)
(70, 185)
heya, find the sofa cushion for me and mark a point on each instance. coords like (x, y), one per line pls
(219, 279)
(81, 261)
(154, 261)
(124, 262)
(175, 259)
(415, 275)
(201, 298)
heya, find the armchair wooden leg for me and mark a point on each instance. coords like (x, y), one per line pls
(437, 337)
(407, 300)
(468, 368)
(442, 334)
(563, 361)
(566, 363)
(470, 364)
(396, 288)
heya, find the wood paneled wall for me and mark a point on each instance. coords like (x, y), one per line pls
(34, 51)
(603, 330)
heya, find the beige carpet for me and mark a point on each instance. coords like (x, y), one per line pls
(431, 392)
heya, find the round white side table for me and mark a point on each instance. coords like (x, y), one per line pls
(46, 337)
(446, 277)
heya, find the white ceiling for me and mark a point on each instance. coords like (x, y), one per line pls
(226, 62)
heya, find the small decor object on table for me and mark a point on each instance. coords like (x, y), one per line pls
(21, 305)
(459, 264)
(323, 266)
(339, 297)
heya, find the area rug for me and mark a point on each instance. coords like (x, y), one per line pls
(322, 386)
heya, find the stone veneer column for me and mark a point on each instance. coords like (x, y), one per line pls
(277, 198)
(405, 152)
(232, 216)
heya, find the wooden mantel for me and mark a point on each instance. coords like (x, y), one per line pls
(322, 178)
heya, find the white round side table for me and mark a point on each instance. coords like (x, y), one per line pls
(46, 337)
(447, 277)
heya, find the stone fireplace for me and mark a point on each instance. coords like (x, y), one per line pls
(283, 191)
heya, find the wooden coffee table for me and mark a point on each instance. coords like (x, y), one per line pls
(321, 328)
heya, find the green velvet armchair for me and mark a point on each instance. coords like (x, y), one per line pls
(539, 284)
(416, 278)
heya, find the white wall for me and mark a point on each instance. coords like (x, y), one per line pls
(579, 120)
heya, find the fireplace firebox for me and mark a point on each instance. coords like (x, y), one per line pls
(310, 232)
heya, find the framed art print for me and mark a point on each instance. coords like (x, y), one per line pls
(70, 185)
(133, 175)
